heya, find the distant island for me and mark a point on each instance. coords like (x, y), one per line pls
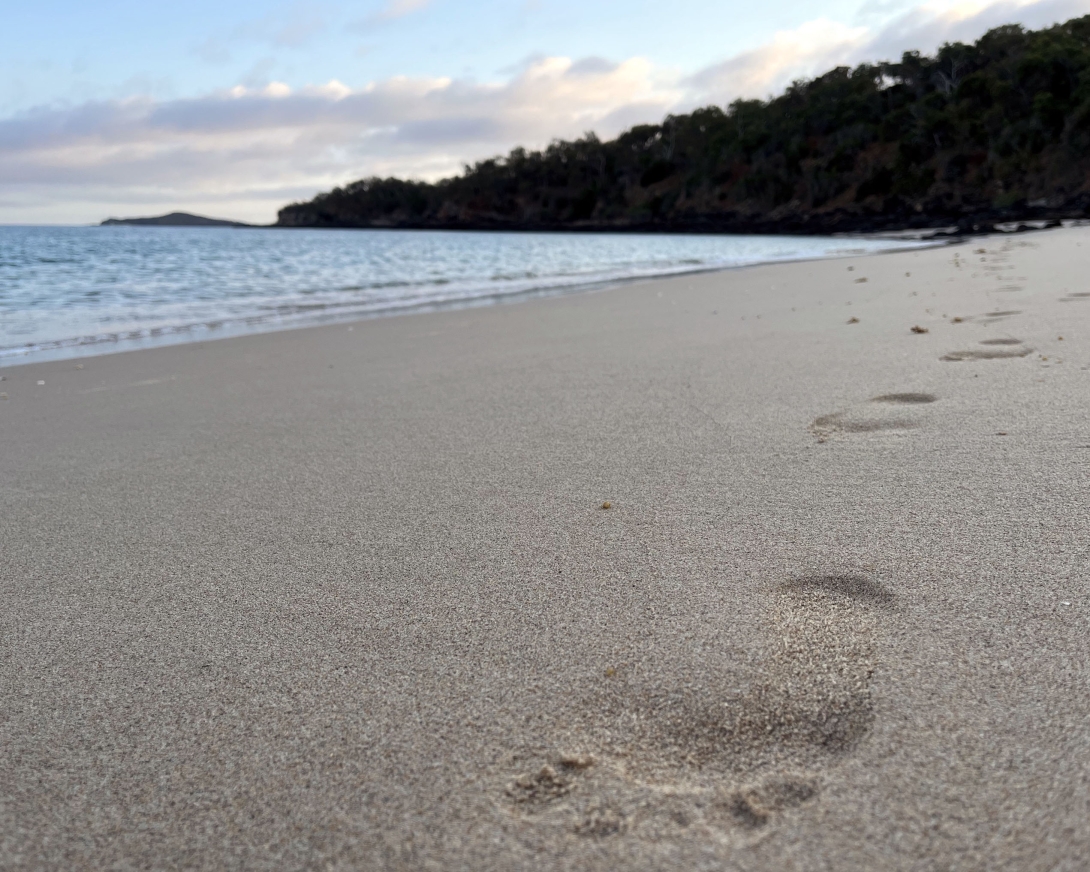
(174, 219)
(979, 134)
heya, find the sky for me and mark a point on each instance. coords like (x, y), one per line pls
(235, 109)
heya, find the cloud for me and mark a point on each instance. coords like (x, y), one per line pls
(245, 150)
(253, 142)
(926, 27)
(821, 44)
(805, 51)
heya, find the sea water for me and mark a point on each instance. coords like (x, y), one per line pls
(68, 291)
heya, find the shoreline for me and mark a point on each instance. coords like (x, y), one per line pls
(348, 596)
(112, 343)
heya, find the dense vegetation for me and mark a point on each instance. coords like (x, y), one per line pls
(999, 130)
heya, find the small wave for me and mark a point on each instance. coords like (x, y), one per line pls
(170, 288)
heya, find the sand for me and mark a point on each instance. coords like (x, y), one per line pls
(347, 598)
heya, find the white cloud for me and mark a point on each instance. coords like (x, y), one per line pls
(244, 151)
(819, 45)
(806, 51)
(254, 145)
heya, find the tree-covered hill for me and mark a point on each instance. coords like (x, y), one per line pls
(995, 131)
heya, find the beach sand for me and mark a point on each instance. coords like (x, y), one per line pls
(347, 597)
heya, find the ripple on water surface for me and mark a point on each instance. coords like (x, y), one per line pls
(79, 290)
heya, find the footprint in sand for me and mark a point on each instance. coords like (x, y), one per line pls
(999, 315)
(700, 759)
(998, 349)
(887, 412)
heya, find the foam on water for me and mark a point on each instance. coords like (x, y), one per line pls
(67, 291)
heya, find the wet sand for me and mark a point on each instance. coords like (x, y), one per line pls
(347, 597)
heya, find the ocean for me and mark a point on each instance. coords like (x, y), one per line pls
(75, 291)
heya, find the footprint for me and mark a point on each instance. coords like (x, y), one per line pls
(881, 413)
(844, 422)
(905, 399)
(989, 353)
(993, 317)
(814, 699)
(700, 759)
